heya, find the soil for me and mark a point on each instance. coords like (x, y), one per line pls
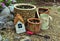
(34, 21)
(42, 10)
(25, 7)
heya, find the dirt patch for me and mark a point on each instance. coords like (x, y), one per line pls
(25, 7)
(34, 21)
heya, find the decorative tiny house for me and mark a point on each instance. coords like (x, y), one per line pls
(19, 24)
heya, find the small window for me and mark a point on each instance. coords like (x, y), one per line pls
(19, 25)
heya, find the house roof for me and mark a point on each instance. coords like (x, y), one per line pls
(17, 18)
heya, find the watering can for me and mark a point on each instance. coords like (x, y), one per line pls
(45, 19)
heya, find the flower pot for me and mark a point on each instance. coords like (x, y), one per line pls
(25, 10)
(33, 25)
(41, 10)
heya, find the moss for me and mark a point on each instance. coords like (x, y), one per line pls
(58, 10)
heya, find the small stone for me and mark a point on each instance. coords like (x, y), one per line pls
(0, 37)
(6, 39)
(10, 23)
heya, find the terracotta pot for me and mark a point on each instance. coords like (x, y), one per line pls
(41, 10)
(25, 10)
(33, 25)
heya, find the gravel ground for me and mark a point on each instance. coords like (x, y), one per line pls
(53, 31)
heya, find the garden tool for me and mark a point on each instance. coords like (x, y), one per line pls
(31, 33)
(46, 37)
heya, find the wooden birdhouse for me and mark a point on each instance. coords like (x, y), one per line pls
(19, 24)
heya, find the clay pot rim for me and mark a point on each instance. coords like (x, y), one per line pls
(34, 7)
(32, 22)
(41, 8)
